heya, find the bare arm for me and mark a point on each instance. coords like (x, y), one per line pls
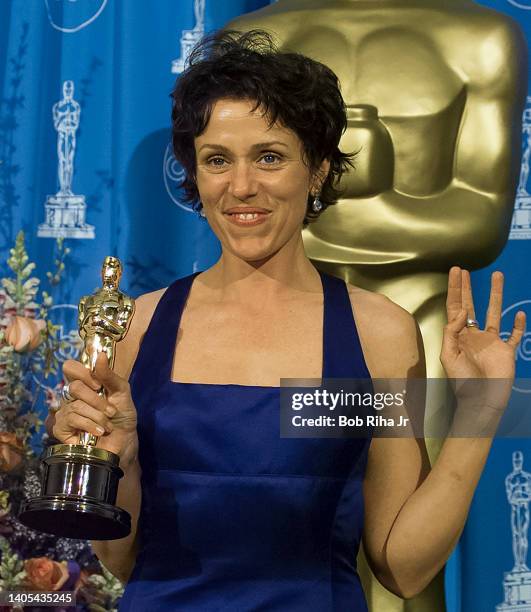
(396, 466)
(412, 529)
(119, 556)
(430, 523)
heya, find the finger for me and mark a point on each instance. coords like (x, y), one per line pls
(75, 370)
(453, 299)
(518, 329)
(49, 423)
(466, 294)
(492, 322)
(79, 390)
(81, 423)
(109, 379)
(450, 345)
(94, 415)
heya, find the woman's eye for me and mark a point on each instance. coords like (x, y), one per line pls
(267, 159)
(270, 158)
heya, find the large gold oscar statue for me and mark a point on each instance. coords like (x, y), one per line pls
(435, 90)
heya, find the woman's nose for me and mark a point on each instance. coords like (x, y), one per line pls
(242, 183)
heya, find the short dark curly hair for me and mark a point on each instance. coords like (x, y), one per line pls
(298, 92)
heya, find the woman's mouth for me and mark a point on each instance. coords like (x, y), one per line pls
(247, 219)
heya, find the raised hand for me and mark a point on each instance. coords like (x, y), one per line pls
(469, 352)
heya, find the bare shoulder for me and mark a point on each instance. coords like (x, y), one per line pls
(371, 305)
(389, 335)
(127, 349)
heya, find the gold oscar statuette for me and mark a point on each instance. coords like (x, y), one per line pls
(80, 481)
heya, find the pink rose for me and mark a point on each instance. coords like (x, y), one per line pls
(24, 334)
(10, 311)
(11, 451)
(30, 311)
(45, 574)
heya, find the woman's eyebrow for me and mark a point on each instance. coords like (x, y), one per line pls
(258, 145)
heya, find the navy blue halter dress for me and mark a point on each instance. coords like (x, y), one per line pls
(235, 518)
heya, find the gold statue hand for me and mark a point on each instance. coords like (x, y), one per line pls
(103, 325)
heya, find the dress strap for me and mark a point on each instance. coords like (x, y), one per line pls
(158, 345)
(342, 351)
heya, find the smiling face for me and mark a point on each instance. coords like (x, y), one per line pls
(252, 180)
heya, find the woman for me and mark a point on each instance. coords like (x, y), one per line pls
(234, 517)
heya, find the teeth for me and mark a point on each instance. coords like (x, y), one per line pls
(247, 216)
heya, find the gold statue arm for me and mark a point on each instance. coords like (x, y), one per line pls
(81, 316)
(117, 329)
(106, 326)
(125, 314)
(102, 324)
(460, 223)
(486, 158)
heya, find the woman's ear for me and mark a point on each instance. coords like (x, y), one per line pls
(320, 176)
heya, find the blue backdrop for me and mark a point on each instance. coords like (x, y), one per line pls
(485, 550)
(122, 58)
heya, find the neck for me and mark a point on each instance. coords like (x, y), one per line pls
(286, 274)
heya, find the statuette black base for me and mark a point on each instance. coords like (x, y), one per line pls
(72, 517)
(79, 487)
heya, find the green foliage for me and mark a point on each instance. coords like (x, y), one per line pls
(12, 572)
(102, 591)
(22, 376)
(51, 345)
(21, 297)
(4, 500)
(18, 395)
(22, 289)
(54, 278)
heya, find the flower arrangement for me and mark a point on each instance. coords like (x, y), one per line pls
(30, 349)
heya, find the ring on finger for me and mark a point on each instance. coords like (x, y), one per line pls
(65, 393)
(472, 323)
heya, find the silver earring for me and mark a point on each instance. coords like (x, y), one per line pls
(317, 205)
(202, 213)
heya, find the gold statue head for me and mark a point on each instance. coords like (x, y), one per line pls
(111, 272)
